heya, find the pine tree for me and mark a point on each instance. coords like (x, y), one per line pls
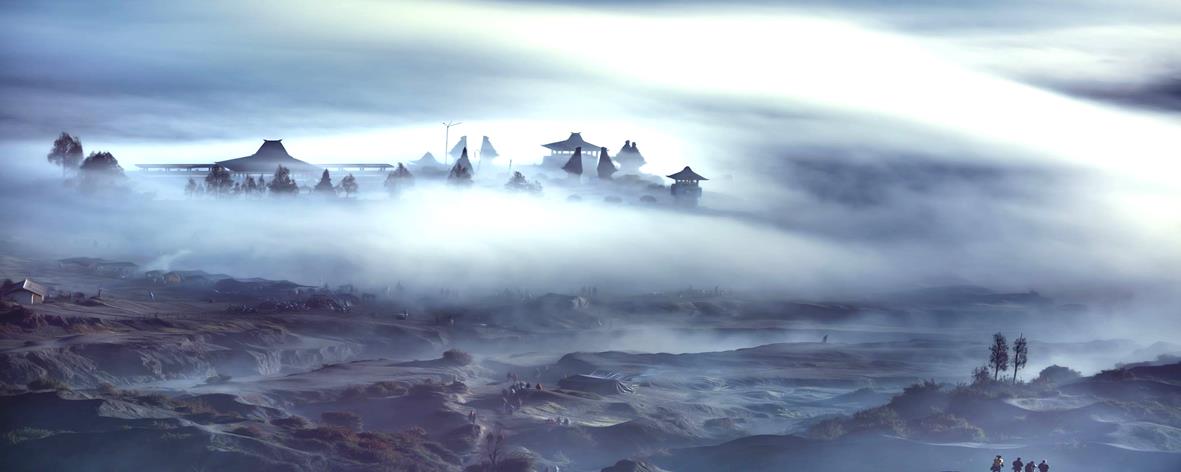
(251, 187)
(999, 358)
(324, 187)
(1020, 355)
(218, 181)
(349, 185)
(282, 184)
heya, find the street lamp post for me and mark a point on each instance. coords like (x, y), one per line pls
(447, 139)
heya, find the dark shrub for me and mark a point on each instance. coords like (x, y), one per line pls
(946, 427)
(249, 430)
(343, 419)
(455, 356)
(1057, 374)
(290, 422)
(47, 384)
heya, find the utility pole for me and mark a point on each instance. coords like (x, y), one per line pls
(447, 139)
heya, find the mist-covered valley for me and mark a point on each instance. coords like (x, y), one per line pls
(832, 235)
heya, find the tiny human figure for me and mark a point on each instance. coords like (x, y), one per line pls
(1030, 467)
(1018, 465)
(825, 340)
(539, 386)
(1043, 467)
(997, 464)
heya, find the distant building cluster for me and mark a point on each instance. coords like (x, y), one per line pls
(249, 175)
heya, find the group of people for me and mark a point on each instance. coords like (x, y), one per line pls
(512, 397)
(998, 464)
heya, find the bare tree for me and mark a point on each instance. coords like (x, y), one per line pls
(999, 358)
(1020, 355)
(494, 448)
(66, 152)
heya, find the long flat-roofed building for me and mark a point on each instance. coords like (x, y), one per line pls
(263, 162)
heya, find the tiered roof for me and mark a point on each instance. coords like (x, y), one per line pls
(686, 174)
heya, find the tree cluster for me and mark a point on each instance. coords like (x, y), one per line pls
(999, 359)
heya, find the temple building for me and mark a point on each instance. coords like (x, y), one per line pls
(561, 151)
(629, 158)
(685, 189)
(264, 161)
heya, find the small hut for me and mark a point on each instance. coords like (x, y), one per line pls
(25, 292)
(686, 189)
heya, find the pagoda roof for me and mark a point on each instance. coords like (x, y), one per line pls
(630, 153)
(486, 149)
(427, 160)
(686, 174)
(459, 145)
(269, 156)
(574, 141)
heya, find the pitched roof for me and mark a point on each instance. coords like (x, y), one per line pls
(574, 165)
(461, 144)
(486, 149)
(686, 174)
(267, 158)
(574, 141)
(606, 167)
(427, 160)
(28, 286)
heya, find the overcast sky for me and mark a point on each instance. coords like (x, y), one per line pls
(1034, 138)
